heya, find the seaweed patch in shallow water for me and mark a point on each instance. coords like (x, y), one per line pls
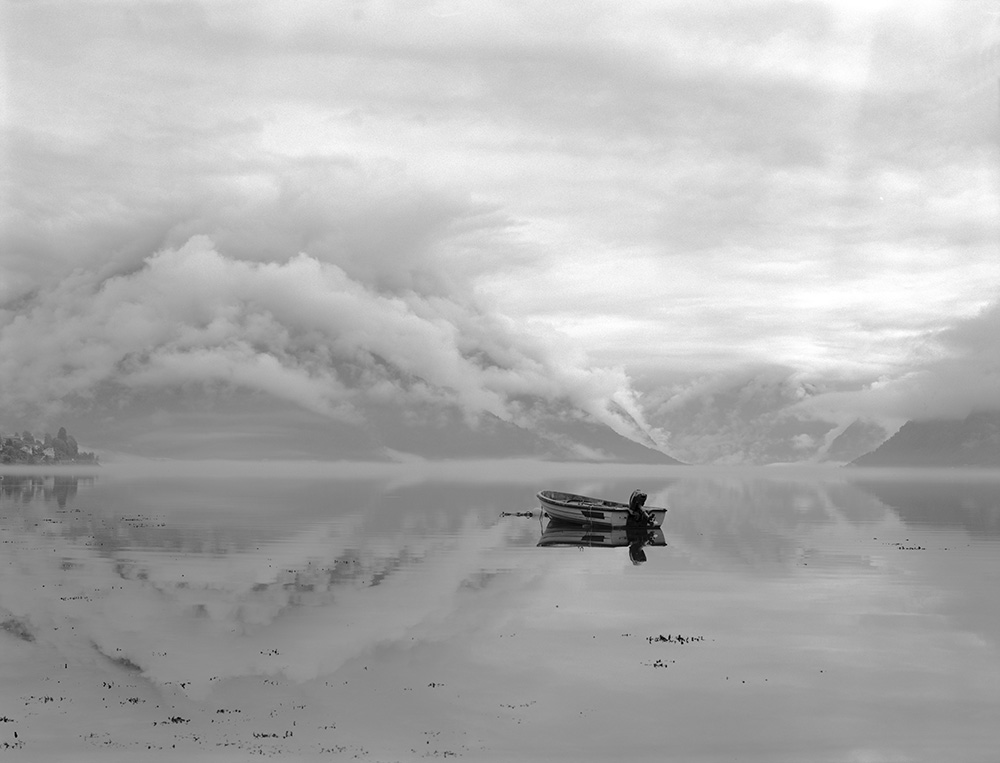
(19, 628)
(672, 639)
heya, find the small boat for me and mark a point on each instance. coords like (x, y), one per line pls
(558, 533)
(583, 510)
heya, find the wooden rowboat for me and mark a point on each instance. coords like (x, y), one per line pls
(583, 510)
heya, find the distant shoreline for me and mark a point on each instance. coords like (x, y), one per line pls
(485, 471)
(27, 450)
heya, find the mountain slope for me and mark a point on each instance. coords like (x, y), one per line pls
(252, 426)
(748, 418)
(860, 437)
(973, 441)
(551, 431)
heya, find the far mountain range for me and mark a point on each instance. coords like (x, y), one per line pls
(972, 441)
(747, 424)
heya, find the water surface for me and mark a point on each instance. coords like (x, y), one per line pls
(390, 615)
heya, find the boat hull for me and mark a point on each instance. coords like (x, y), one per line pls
(584, 510)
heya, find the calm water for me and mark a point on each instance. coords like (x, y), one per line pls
(388, 616)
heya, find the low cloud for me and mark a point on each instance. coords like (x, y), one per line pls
(301, 330)
(765, 414)
(336, 206)
(961, 375)
(186, 254)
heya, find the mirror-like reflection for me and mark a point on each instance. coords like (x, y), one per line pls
(60, 488)
(386, 618)
(560, 533)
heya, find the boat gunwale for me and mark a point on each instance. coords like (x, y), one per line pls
(617, 513)
(586, 502)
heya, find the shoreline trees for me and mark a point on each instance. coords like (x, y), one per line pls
(25, 448)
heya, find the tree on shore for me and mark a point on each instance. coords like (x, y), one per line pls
(23, 448)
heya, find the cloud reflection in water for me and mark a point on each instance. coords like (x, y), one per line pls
(374, 589)
(199, 599)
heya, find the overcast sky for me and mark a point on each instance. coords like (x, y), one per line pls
(499, 198)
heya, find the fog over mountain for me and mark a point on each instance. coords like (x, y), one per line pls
(203, 348)
(758, 416)
(304, 332)
(723, 234)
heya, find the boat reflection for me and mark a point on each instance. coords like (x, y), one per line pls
(557, 533)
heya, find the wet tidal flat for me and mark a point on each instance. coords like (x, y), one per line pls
(373, 615)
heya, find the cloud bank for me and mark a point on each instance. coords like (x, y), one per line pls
(302, 330)
(343, 204)
(767, 414)
(959, 375)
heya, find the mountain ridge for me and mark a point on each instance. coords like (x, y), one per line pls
(253, 426)
(970, 442)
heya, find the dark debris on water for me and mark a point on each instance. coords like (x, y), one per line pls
(672, 639)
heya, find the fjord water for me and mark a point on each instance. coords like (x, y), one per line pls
(396, 615)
